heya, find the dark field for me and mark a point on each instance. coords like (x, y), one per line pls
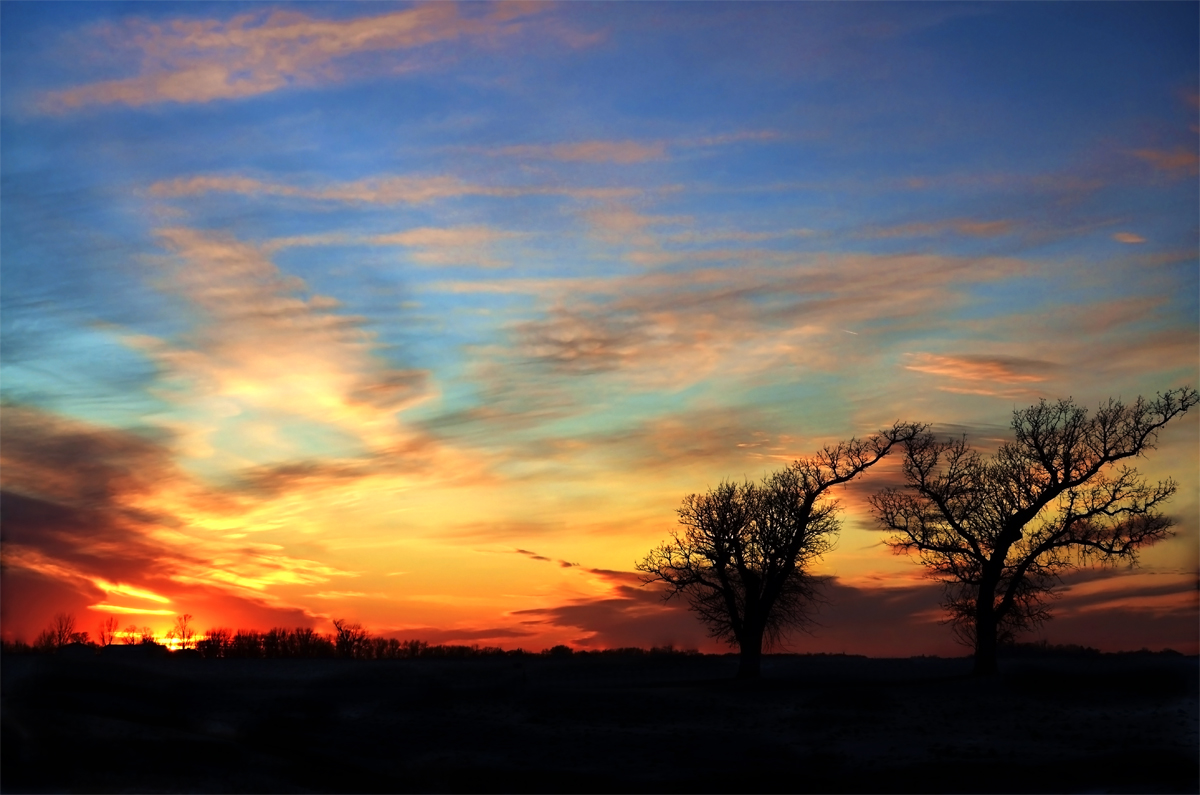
(652, 723)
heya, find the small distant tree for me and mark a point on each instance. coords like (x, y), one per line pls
(743, 555)
(183, 631)
(351, 639)
(307, 642)
(131, 634)
(214, 643)
(245, 643)
(60, 632)
(275, 642)
(146, 635)
(108, 631)
(998, 532)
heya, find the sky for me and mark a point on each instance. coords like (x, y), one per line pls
(429, 316)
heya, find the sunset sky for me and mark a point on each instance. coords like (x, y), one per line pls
(429, 316)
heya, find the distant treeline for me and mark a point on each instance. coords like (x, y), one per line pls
(348, 641)
(351, 641)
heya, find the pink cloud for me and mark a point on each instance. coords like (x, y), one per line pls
(250, 54)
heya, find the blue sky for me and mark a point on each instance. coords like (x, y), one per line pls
(386, 288)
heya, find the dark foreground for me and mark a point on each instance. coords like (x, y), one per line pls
(647, 724)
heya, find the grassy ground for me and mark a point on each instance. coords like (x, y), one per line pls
(664, 723)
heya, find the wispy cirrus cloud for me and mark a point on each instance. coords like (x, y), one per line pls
(452, 245)
(993, 369)
(375, 190)
(462, 245)
(259, 338)
(626, 151)
(1177, 163)
(652, 320)
(625, 226)
(587, 151)
(1128, 237)
(414, 189)
(959, 226)
(201, 60)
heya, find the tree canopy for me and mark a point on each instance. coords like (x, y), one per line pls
(743, 552)
(999, 531)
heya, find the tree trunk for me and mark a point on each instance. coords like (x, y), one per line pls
(750, 660)
(985, 641)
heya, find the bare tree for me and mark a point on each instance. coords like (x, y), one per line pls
(61, 630)
(131, 634)
(351, 639)
(108, 631)
(182, 631)
(742, 555)
(215, 642)
(1000, 531)
(146, 635)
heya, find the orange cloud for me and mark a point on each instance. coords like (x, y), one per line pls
(588, 151)
(462, 245)
(625, 151)
(137, 611)
(386, 190)
(960, 226)
(123, 529)
(377, 190)
(733, 235)
(994, 369)
(622, 225)
(1128, 237)
(1178, 162)
(202, 60)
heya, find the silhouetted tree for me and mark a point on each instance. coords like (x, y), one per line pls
(275, 643)
(108, 631)
(147, 635)
(245, 643)
(214, 643)
(307, 642)
(131, 634)
(182, 631)
(999, 531)
(742, 556)
(351, 639)
(60, 632)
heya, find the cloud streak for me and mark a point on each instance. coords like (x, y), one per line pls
(198, 61)
(384, 190)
